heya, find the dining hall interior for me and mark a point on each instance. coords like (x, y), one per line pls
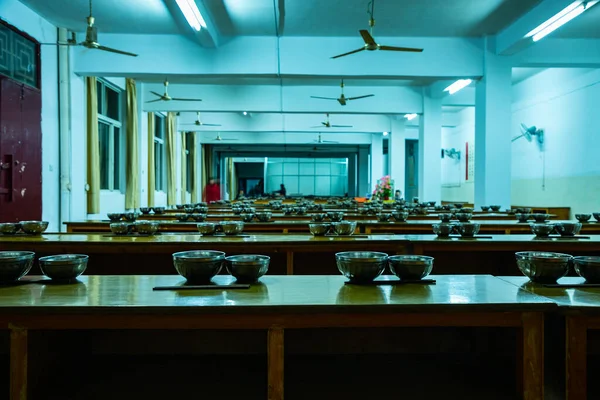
(326, 198)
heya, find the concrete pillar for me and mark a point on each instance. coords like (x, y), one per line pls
(363, 172)
(430, 145)
(376, 159)
(492, 133)
(397, 154)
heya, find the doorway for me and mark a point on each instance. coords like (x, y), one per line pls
(411, 169)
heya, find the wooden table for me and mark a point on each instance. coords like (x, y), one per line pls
(581, 307)
(277, 304)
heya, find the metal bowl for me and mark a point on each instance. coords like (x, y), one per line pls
(361, 266)
(247, 267)
(495, 207)
(158, 210)
(301, 210)
(14, 265)
(247, 217)
(468, 229)
(206, 228)
(146, 227)
(540, 217)
(335, 216)
(597, 216)
(64, 267)
(198, 217)
(34, 227)
(264, 216)
(120, 228)
(588, 267)
(319, 228)
(410, 267)
(182, 217)
(344, 227)
(130, 216)
(445, 217)
(443, 229)
(568, 228)
(400, 216)
(583, 217)
(464, 217)
(9, 228)
(458, 205)
(198, 265)
(145, 210)
(384, 217)
(485, 208)
(114, 216)
(522, 217)
(318, 217)
(232, 227)
(179, 206)
(543, 267)
(542, 230)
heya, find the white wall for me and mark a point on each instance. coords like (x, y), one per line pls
(455, 186)
(18, 15)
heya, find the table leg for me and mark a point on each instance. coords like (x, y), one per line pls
(18, 363)
(275, 354)
(289, 263)
(533, 356)
(576, 363)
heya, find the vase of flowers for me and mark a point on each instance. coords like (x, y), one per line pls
(383, 189)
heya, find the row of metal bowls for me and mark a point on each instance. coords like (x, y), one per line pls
(562, 228)
(200, 266)
(64, 267)
(547, 267)
(227, 227)
(261, 216)
(364, 266)
(28, 227)
(141, 227)
(343, 228)
(466, 229)
(155, 210)
(587, 217)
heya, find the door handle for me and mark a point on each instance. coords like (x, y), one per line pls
(6, 166)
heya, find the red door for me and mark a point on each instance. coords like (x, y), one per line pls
(20, 152)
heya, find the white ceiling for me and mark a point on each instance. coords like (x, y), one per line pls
(587, 25)
(521, 74)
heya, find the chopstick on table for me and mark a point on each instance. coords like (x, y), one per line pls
(203, 287)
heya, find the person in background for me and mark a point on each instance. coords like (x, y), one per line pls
(212, 191)
(240, 195)
(398, 195)
(282, 190)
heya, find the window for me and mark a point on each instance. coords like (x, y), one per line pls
(19, 56)
(189, 161)
(109, 134)
(160, 155)
(308, 176)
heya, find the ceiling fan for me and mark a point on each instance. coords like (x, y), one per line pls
(198, 122)
(370, 43)
(342, 99)
(91, 38)
(327, 124)
(166, 97)
(529, 132)
(220, 139)
(320, 140)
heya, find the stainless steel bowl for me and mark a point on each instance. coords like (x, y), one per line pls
(130, 216)
(588, 267)
(145, 210)
(400, 216)
(542, 230)
(247, 267)
(232, 227)
(247, 217)
(522, 217)
(198, 265)
(14, 265)
(597, 216)
(543, 267)
(158, 210)
(120, 228)
(344, 227)
(485, 208)
(495, 207)
(9, 228)
(115, 216)
(468, 229)
(64, 267)
(410, 267)
(583, 217)
(264, 216)
(464, 217)
(301, 210)
(361, 266)
(384, 217)
(198, 217)
(335, 216)
(568, 228)
(206, 228)
(182, 217)
(445, 217)
(540, 217)
(146, 227)
(318, 228)
(34, 227)
(318, 217)
(443, 229)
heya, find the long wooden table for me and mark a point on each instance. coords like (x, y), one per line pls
(581, 307)
(278, 304)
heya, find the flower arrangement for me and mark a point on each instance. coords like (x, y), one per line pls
(383, 189)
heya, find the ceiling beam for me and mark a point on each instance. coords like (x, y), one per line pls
(207, 37)
(560, 53)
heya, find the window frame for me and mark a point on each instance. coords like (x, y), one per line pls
(101, 86)
(160, 172)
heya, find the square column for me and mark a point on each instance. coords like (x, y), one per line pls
(430, 145)
(492, 133)
(397, 154)
(376, 159)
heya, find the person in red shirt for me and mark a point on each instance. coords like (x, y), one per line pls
(212, 191)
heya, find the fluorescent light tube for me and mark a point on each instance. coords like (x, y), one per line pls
(385, 133)
(410, 117)
(566, 15)
(458, 85)
(192, 14)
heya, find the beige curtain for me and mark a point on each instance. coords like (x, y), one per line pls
(196, 192)
(171, 144)
(207, 167)
(132, 160)
(93, 148)
(151, 177)
(232, 179)
(183, 169)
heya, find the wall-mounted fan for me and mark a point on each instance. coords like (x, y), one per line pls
(320, 140)
(328, 124)
(166, 97)
(198, 121)
(343, 99)
(370, 43)
(529, 133)
(451, 153)
(91, 38)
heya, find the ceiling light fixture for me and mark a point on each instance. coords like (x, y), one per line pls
(192, 14)
(573, 10)
(245, 113)
(410, 117)
(385, 133)
(458, 85)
